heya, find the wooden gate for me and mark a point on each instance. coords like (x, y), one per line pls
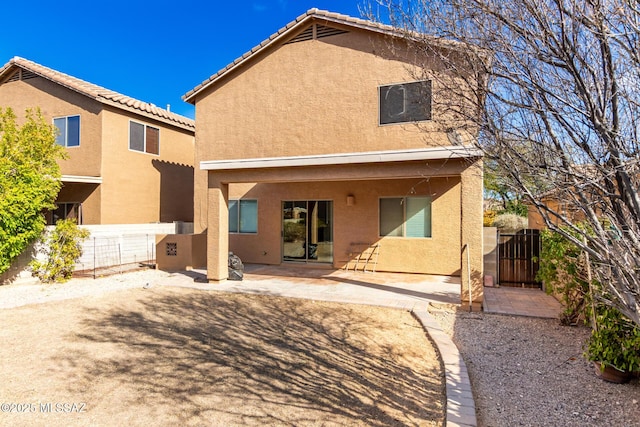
(518, 258)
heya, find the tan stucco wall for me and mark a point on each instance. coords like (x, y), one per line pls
(136, 187)
(190, 250)
(439, 254)
(312, 97)
(321, 97)
(57, 101)
(139, 187)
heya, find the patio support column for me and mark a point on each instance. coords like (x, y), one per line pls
(471, 235)
(217, 230)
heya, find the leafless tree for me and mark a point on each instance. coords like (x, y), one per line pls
(560, 86)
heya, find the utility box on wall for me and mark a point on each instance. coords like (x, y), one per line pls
(176, 252)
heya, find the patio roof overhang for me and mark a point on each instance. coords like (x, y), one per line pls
(433, 153)
(81, 179)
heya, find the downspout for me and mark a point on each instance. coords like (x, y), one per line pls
(466, 248)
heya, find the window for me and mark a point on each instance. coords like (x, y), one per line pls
(405, 216)
(144, 138)
(68, 131)
(65, 211)
(243, 216)
(405, 102)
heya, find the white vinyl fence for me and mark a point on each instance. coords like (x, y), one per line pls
(109, 249)
(115, 248)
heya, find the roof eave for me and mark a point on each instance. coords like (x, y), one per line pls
(433, 153)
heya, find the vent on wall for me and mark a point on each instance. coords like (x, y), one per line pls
(21, 75)
(26, 75)
(15, 77)
(321, 31)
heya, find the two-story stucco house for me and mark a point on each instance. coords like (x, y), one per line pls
(129, 162)
(308, 150)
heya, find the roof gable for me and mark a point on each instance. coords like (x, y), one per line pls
(22, 69)
(300, 29)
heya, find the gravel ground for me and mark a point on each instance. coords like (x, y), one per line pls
(524, 371)
(530, 372)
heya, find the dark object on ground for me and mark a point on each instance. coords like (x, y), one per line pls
(236, 268)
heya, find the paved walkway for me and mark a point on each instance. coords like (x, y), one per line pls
(412, 292)
(521, 302)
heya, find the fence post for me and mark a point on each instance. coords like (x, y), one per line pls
(94, 258)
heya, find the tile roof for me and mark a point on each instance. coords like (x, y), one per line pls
(284, 32)
(100, 94)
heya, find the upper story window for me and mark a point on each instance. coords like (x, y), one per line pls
(68, 131)
(144, 138)
(405, 102)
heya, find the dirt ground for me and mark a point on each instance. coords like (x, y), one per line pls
(174, 356)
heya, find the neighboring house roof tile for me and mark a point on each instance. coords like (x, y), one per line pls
(288, 30)
(99, 93)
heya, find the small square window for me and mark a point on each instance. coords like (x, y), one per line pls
(68, 131)
(243, 216)
(405, 216)
(144, 138)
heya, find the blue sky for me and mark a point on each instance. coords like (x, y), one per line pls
(153, 51)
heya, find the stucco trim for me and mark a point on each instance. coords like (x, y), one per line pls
(82, 179)
(435, 153)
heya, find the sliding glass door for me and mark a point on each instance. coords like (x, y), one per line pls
(307, 231)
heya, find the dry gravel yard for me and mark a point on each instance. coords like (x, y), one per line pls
(530, 372)
(175, 356)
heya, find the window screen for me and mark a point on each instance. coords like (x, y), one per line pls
(243, 216)
(144, 138)
(136, 136)
(248, 216)
(418, 222)
(68, 131)
(405, 217)
(391, 217)
(405, 102)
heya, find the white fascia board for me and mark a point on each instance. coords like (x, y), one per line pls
(436, 153)
(82, 179)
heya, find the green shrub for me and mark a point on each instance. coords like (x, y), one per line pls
(29, 180)
(614, 341)
(562, 268)
(62, 249)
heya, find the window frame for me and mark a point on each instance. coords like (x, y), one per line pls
(66, 130)
(428, 115)
(145, 128)
(239, 221)
(67, 207)
(404, 204)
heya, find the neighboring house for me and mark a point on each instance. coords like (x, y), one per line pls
(129, 162)
(307, 152)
